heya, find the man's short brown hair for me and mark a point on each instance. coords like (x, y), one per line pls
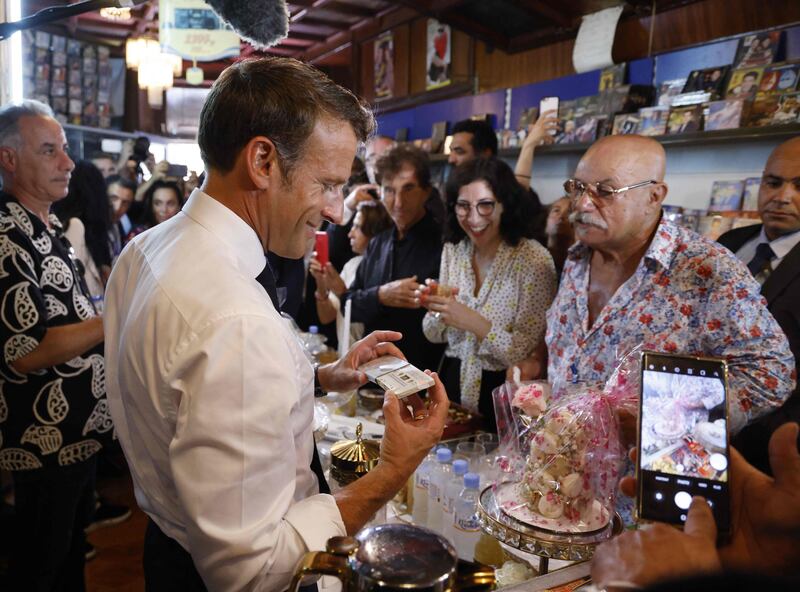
(279, 98)
(390, 163)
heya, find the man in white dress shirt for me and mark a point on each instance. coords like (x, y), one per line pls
(210, 392)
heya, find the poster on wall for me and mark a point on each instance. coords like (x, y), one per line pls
(384, 66)
(438, 62)
(190, 29)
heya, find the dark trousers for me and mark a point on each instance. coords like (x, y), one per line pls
(168, 567)
(52, 508)
(450, 375)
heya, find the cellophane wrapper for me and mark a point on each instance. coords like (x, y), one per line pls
(570, 456)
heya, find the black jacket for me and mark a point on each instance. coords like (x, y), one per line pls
(782, 291)
(388, 259)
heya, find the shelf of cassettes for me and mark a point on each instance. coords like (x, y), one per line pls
(699, 139)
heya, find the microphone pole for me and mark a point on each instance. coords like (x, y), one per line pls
(56, 13)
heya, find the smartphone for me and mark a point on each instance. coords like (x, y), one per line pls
(177, 170)
(373, 193)
(549, 104)
(683, 438)
(321, 247)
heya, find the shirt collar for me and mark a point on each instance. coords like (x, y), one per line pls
(661, 249)
(223, 223)
(782, 245)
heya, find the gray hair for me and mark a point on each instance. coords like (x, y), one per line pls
(12, 113)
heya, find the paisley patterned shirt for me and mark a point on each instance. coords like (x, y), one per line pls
(56, 416)
(688, 296)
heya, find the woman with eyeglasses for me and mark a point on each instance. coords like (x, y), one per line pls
(495, 284)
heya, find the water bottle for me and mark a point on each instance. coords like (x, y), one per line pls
(466, 529)
(439, 476)
(422, 477)
(452, 489)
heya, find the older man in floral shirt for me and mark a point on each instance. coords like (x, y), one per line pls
(634, 278)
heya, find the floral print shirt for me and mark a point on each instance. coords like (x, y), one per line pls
(688, 296)
(514, 296)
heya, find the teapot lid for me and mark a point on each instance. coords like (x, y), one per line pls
(405, 556)
(350, 459)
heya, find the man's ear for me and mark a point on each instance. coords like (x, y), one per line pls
(8, 159)
(658, 193)
(261, 161)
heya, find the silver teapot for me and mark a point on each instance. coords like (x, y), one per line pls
(393, 557)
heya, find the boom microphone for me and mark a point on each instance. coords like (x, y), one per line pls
(262, 23)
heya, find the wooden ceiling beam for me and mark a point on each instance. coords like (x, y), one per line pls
(540, 8)
(149, 15)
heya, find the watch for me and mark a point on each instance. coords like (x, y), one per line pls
(318, 390)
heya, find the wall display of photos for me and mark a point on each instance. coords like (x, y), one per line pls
(732, 204)
(73, 77)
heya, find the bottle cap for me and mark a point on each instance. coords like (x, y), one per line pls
(444, 455)
(472, 480)
(313, 329)
(460, 466)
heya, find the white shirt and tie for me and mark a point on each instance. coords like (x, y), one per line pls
(780, 248)
(212, 400)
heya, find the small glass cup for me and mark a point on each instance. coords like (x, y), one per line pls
(472, 453)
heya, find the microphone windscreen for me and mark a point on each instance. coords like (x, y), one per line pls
(262, 23)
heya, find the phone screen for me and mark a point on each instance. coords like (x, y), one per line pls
(321, 247)
(549, 104)
(683, 438)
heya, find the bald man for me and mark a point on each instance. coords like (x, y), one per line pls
(634, 278)
(776, 266)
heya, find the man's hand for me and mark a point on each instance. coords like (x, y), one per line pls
(458, 315)
(660, 552)
(358, 194)
(344, 375)
(400, 293)
(410, 435)
(765, 512)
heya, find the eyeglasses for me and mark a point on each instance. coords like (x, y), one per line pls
(775, 182)
(484, 208)
(600, 193)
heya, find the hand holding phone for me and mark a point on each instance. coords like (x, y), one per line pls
(321, 247)
(548, 104)
(683, 438)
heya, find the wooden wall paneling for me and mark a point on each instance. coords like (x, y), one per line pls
(417, 56)
(366, 84)
(462, 57)
(402, 47)
(497, 69)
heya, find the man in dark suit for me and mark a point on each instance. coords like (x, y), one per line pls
(772, 253)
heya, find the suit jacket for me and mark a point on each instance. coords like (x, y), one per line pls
(782, 291)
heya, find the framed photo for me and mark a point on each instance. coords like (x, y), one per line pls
(527, 117)
(750, 194)
(726, 196)
(744, 83)
(762, 110)
(586, 129)
(611, 77)
(758, 49)
(384, 66)
(653, 121)
(724, 114)
(625, 124)
(667, 90)
(685, 119)
(708, 80)
(788, 109)
(713, 226)
(438, 134)
(779, 78)
(438, 55)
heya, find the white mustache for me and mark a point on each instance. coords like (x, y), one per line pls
(587, 218)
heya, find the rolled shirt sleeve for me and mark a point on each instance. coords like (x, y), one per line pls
(240, 457)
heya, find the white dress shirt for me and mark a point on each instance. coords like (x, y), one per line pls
(212, 400)
(780, 246)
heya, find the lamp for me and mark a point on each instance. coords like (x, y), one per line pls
(156, 75)
(137, 49)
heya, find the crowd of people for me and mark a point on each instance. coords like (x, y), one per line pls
(470, 280)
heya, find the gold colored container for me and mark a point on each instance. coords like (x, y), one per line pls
(350, 459)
